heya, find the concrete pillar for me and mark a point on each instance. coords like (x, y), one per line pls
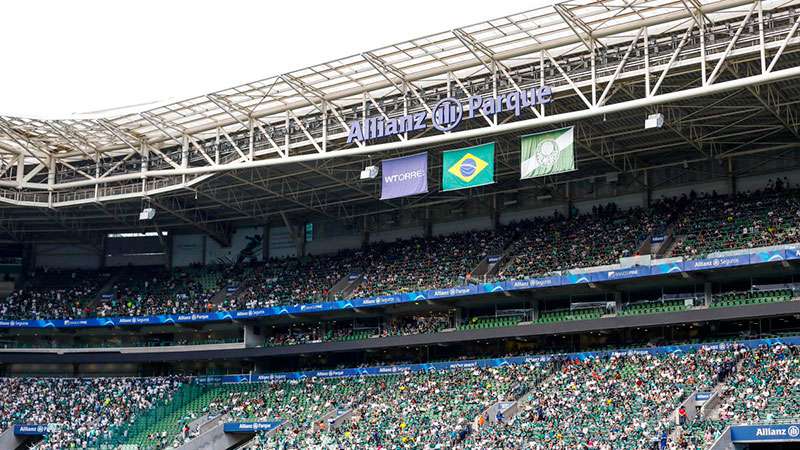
(205, 245)
(170, 238)
(300, 240)
(707, 293)
(570, 204)
(428, 225)
(265, 242)
(535, 309)
(617, 301)
(495, 212)
(253, 335)
(103, 252)
(731, 177)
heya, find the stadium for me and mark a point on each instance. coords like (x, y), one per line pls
(576, 227)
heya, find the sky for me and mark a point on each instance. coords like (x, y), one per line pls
(62, 58)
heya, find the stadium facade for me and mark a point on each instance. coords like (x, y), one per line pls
(568, 196)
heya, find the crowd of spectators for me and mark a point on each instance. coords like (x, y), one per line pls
(294, 281)
(598, 238)
(413, 410)
(304, 333)
(53, 294)
(621, 402)
(157, 291)
(712, 223)
(701, 224)
(618, 401)
(767, 386)
(426, 263)
(78, 411)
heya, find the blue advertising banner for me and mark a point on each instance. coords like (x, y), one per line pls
(433, 294)
(579, 278)
(250, 427)
(484, 363)
(767, 257)
(716, 263)
(531, 283)
(702, 396)
(30, 430)
(493, 287)
(630, 272)
(741, 434)
(401, 177)
(663, 269)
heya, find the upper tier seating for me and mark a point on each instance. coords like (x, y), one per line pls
(703, 224)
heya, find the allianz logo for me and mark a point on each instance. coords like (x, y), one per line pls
(791, 431)
(194, 317)
(271, 377)
(393, 369)
(537, 359)
(716, 262)
(451, 291)
(378, 300)
(330, 373)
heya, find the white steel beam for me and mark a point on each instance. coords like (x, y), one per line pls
(522, 125)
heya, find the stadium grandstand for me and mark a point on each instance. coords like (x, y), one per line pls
(572, 228)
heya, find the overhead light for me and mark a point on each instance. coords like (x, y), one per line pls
(369, 172)
(147, 214)
(654, 121)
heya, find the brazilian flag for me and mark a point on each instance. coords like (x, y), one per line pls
(468, 167)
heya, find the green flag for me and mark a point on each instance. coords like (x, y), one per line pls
(468, 167)
(547, 153)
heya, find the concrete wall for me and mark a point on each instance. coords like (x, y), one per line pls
(136, 260)
(475, 223)
(393, 235)
(333, 244)
(67, 256)
(239, 240)
(280, 243)
(187, 249)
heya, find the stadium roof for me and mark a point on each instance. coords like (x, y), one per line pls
(554, 26)
(723, 72)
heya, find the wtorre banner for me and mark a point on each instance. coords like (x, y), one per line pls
(401, 177)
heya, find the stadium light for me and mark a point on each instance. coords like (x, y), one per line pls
(654, 121)
(369, 173)
(147, 214)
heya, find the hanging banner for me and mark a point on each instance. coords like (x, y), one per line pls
(401, 177)
(547, 153)
(468, 167)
